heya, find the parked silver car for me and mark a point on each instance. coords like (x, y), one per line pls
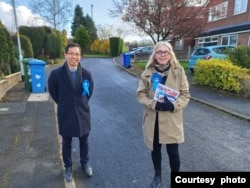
(141, 51)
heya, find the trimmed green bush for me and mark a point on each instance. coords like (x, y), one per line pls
(8, 63)
(53, 46)
(37, 36)
(116, 45)
(221, 74)
(27, 50)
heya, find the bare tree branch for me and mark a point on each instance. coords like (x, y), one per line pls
(164, 19)
(56, 12)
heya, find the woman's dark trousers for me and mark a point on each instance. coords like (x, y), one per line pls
(172, 150)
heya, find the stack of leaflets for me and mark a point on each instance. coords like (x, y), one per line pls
(166, 91)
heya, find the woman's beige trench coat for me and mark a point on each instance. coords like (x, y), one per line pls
(170, 123)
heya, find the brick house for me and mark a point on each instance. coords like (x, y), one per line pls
(228, 23)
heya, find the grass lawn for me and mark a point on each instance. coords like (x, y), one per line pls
(184, 64)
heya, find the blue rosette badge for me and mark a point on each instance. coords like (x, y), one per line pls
(85, 87)
(155, 79)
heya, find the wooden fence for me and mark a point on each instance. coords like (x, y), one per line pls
(8, 82)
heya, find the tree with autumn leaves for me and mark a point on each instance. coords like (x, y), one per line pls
(164, 19)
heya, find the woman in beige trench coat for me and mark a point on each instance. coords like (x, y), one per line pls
(163, 120)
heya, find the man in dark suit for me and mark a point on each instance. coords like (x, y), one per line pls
(71, 87)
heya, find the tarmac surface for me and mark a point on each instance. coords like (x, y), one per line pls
(30, 153)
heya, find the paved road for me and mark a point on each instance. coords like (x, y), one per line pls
(215, 140)
(119, 155)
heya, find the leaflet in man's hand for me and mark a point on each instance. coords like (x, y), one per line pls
(163, 90)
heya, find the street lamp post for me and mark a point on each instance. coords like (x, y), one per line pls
(92, 11)
(18, 41)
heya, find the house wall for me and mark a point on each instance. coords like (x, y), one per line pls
(243, 39)
(230, 21)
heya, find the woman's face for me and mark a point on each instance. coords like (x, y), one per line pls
(162, 55)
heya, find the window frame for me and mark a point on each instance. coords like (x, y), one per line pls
(231, 40)
(208, 41)
(218, 12)
(240, 6)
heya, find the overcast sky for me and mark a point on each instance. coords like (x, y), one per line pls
(99, 12)
(25, 17)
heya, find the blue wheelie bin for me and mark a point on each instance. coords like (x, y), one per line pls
(37, 69)
(126, 60)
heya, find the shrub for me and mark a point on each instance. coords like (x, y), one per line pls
(100, 46)
(27, 50)
(240, 56)
(220, 74)
(8, 63)
(53, 46)
(246, 86)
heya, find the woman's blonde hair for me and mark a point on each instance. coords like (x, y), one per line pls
(173, 61)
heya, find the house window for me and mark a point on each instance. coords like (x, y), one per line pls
(240, 6)
(218, 12)
(229, 40)
(224, 40)
(248, 41)
(214, 39)
(200, 40)
(208, 41)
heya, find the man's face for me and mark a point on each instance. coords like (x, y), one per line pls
(73, 56)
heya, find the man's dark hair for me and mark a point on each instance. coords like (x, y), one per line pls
(70, 45)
